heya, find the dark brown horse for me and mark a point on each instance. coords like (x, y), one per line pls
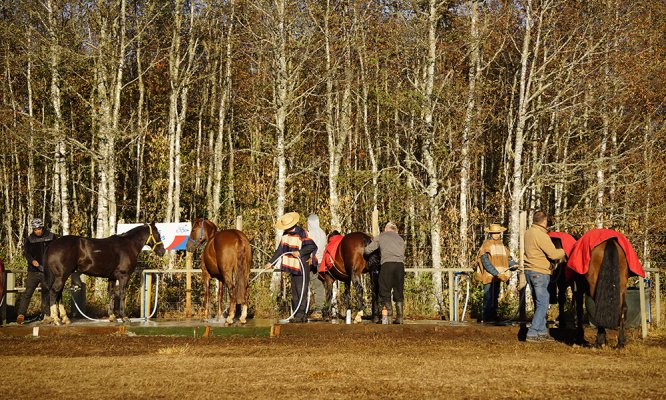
(606, 283)
(561, 279)
(349, 266)
(113, 258)
(227, 257)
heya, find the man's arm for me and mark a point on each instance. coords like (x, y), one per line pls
(549, 249)
(373, 246)
(26, 252)
(488, 266)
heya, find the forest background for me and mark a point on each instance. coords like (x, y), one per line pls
(443, 115)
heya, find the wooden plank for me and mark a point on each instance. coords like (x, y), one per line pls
(188, 285)
(641, 287)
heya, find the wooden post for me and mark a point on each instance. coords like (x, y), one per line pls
(142, 299)
(239, 222)
(188, 284)
(657, 296)
(451, 288)
(375, 222)
(641, 287)
(149, 290)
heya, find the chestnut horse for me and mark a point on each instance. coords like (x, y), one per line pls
(113, 258)
(606, 283)
(349, 265)
(227, 257)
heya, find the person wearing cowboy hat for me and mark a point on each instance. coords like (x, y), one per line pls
(35, 246)
(294, 250)
(494, 265)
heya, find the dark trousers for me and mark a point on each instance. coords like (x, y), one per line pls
(34, 279)
(391, 277)
(296, 289)
(490, 295)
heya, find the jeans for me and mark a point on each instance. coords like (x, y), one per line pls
(539, 284)
(490, 295)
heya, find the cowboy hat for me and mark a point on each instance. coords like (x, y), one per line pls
(287, 221)
(494, 228)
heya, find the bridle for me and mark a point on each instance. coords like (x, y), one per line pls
(201, 241)
(152, 239)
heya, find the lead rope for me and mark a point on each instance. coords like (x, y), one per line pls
(106, 320)
(274, 264)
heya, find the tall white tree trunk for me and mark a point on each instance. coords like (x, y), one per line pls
(519, 134)
(432, 189)
(225, 77)
(473, 73)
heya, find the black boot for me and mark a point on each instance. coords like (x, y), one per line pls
(398, 313)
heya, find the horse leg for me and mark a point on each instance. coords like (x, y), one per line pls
(232, 304)
(621, 339)
(374, 284)
(328, 287)
(360, 301)
(206, 284)
(55, 294)
(601, 337)
(121, 297)
(220, 291)
(112, 300)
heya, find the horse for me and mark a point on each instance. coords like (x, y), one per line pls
(113, 258)
(606, 283)
(349, 265)
(562, 279)
(227, 257)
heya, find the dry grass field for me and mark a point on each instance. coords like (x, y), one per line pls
(315, 362)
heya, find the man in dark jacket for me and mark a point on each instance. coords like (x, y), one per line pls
(35, 247)
(294, 250)
(392, 272)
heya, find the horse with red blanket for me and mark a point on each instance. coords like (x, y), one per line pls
(606, 258)
(344, 261)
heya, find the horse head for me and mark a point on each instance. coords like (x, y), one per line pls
(154, 240)
(202, 230)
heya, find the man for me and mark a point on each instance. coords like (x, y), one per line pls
(295, 249)
(392, 272)
(316, 285)
(35, 247)
(494, 266)
(539, 253)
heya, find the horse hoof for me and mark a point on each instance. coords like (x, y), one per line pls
(229, 321)
(242, 321)
(112, 318)
(56, 322)
(66, 321)
(359, 317)
(126, 320)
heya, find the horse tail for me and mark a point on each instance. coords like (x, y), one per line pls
(242, 273)
(607, 292)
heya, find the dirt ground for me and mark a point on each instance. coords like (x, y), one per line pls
(461, 362)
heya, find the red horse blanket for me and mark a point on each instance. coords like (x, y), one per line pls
(568, 241)
(579, 259)
(329, 254)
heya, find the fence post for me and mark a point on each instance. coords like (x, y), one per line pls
(641, 287)
(239, 222)
(188, 285)
(149, 290)
(657, 296)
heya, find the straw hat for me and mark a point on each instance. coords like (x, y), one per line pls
(495, 228)
(287, 221)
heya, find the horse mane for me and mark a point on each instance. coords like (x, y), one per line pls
(607, 292)
(132, 231)
(205, 220)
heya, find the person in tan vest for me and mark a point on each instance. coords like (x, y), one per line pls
(494, 265)
(539, 254)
